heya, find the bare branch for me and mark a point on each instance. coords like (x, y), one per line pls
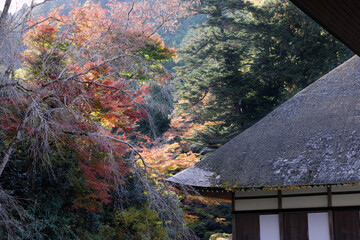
(44, 20)
(12, 145)
(128, 18)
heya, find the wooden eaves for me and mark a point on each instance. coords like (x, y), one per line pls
(341, 18)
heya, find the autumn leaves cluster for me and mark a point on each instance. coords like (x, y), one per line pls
(81, 86)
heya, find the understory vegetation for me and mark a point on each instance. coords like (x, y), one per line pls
(101, 102)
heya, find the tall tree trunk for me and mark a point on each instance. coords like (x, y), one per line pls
(12, 146)
(5, 11)
(9, 150)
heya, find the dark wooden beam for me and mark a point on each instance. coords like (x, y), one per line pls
(331, 224)
(329, 196)
(327, 193)
(308, 210)
(340, 18)
(279, 199)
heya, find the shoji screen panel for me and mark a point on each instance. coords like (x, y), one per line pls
(318, 226)
(269, 227)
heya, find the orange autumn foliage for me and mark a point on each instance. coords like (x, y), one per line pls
(172, 154)
(83, 86)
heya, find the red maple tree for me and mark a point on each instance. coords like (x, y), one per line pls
(81, 85)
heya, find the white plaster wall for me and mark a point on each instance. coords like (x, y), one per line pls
(256, 204)
(305, 190)
(346, 200)
(255, 193)
(345, 188)
(304, 202)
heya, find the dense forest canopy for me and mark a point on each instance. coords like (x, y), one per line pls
(101, 101)
(242, 63)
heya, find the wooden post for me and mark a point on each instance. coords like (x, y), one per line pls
(281, 225)
(329, 196)
(331, 224)
(330, 212)
(281, 216)
(233, 216)
(279, 199)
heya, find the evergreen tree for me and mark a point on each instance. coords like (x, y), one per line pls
(246, 60)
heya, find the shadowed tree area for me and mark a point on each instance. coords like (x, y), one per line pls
(246, 60)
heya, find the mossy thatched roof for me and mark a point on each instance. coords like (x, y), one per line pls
(311, 139)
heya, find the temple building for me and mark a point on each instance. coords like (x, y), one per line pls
(295, 174)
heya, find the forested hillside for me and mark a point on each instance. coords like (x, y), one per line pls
(100, 102)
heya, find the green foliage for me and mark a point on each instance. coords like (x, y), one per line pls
(158, 105)
(246, 60)
(237, 65)
(139, 224)
(175, 39)
(48, 206)
(207, 219)
(220, 236)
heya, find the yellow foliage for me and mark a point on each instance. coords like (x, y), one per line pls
(191, 218)
(213, 123)
(174, 155)
(168, 159)
(220, 220)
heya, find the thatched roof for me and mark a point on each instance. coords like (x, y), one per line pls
(340, 18)
(311, 139)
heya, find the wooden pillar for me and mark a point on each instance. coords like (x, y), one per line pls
(233, 216)
(281, 216)
(281, 225)
(330, 212)
(331, 224)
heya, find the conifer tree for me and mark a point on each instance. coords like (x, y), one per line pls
(246, 60)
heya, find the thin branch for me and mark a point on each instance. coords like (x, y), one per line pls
(128, 18)
(34, 5)
(215, 35)
(85, 72)
(159, 26)
(12, 145)
(37, 23)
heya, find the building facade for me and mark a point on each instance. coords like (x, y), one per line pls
(317, 213)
